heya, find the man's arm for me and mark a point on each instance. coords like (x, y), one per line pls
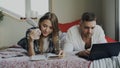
(101, 35)
(68, 46)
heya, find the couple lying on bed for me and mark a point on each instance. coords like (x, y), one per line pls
(45, 38)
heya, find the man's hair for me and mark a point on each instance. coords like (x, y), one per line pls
(88, 16)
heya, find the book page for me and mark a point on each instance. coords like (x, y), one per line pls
(45, 56)
(52, 56)
(38, 57)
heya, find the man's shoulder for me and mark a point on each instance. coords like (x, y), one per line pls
(75, 27)
(98, 30)
(98, 27)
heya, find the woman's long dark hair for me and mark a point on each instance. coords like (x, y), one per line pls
(54, 36)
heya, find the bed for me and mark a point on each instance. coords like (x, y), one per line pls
(16, 57)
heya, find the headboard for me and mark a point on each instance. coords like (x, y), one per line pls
(66, 26)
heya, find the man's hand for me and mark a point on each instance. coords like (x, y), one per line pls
(84, 53)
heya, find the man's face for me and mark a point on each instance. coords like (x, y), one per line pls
(87, 28)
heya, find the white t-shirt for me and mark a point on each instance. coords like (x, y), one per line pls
(74, 41)
(61, 41)
(45, 44)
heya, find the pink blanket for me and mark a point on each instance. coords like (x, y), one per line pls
(15, 57)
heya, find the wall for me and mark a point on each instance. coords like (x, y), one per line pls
(108, 17)
(11, 30)
(70, 10)
(119, 18)
(66, 10)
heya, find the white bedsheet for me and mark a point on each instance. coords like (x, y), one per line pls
(113, 62)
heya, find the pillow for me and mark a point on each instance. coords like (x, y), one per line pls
(109, 40)
(64, 27)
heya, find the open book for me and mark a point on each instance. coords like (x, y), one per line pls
(45, 56)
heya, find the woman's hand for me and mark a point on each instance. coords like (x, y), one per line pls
(61, 53)
(34, 34)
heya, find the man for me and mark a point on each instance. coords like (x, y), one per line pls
(81, 37)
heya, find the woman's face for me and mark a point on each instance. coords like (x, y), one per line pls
(46, 27)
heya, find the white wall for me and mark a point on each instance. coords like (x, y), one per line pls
(108, 17)
(119, 19)
(11, 30)
(70, 10)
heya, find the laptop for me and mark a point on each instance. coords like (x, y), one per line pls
(104, 50)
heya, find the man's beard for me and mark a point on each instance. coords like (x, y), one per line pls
(88, 35)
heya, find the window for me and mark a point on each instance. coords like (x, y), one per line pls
(14, 7)
(24, 8)
(39, 6)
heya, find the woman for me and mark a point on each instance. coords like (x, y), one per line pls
(46, 38)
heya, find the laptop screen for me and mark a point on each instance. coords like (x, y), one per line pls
(104, 50)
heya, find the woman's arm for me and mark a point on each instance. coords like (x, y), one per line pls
(31, 47)
(33, 35)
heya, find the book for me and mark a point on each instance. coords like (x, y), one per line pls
(53, 56)
(45, 56)
(38, 57)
